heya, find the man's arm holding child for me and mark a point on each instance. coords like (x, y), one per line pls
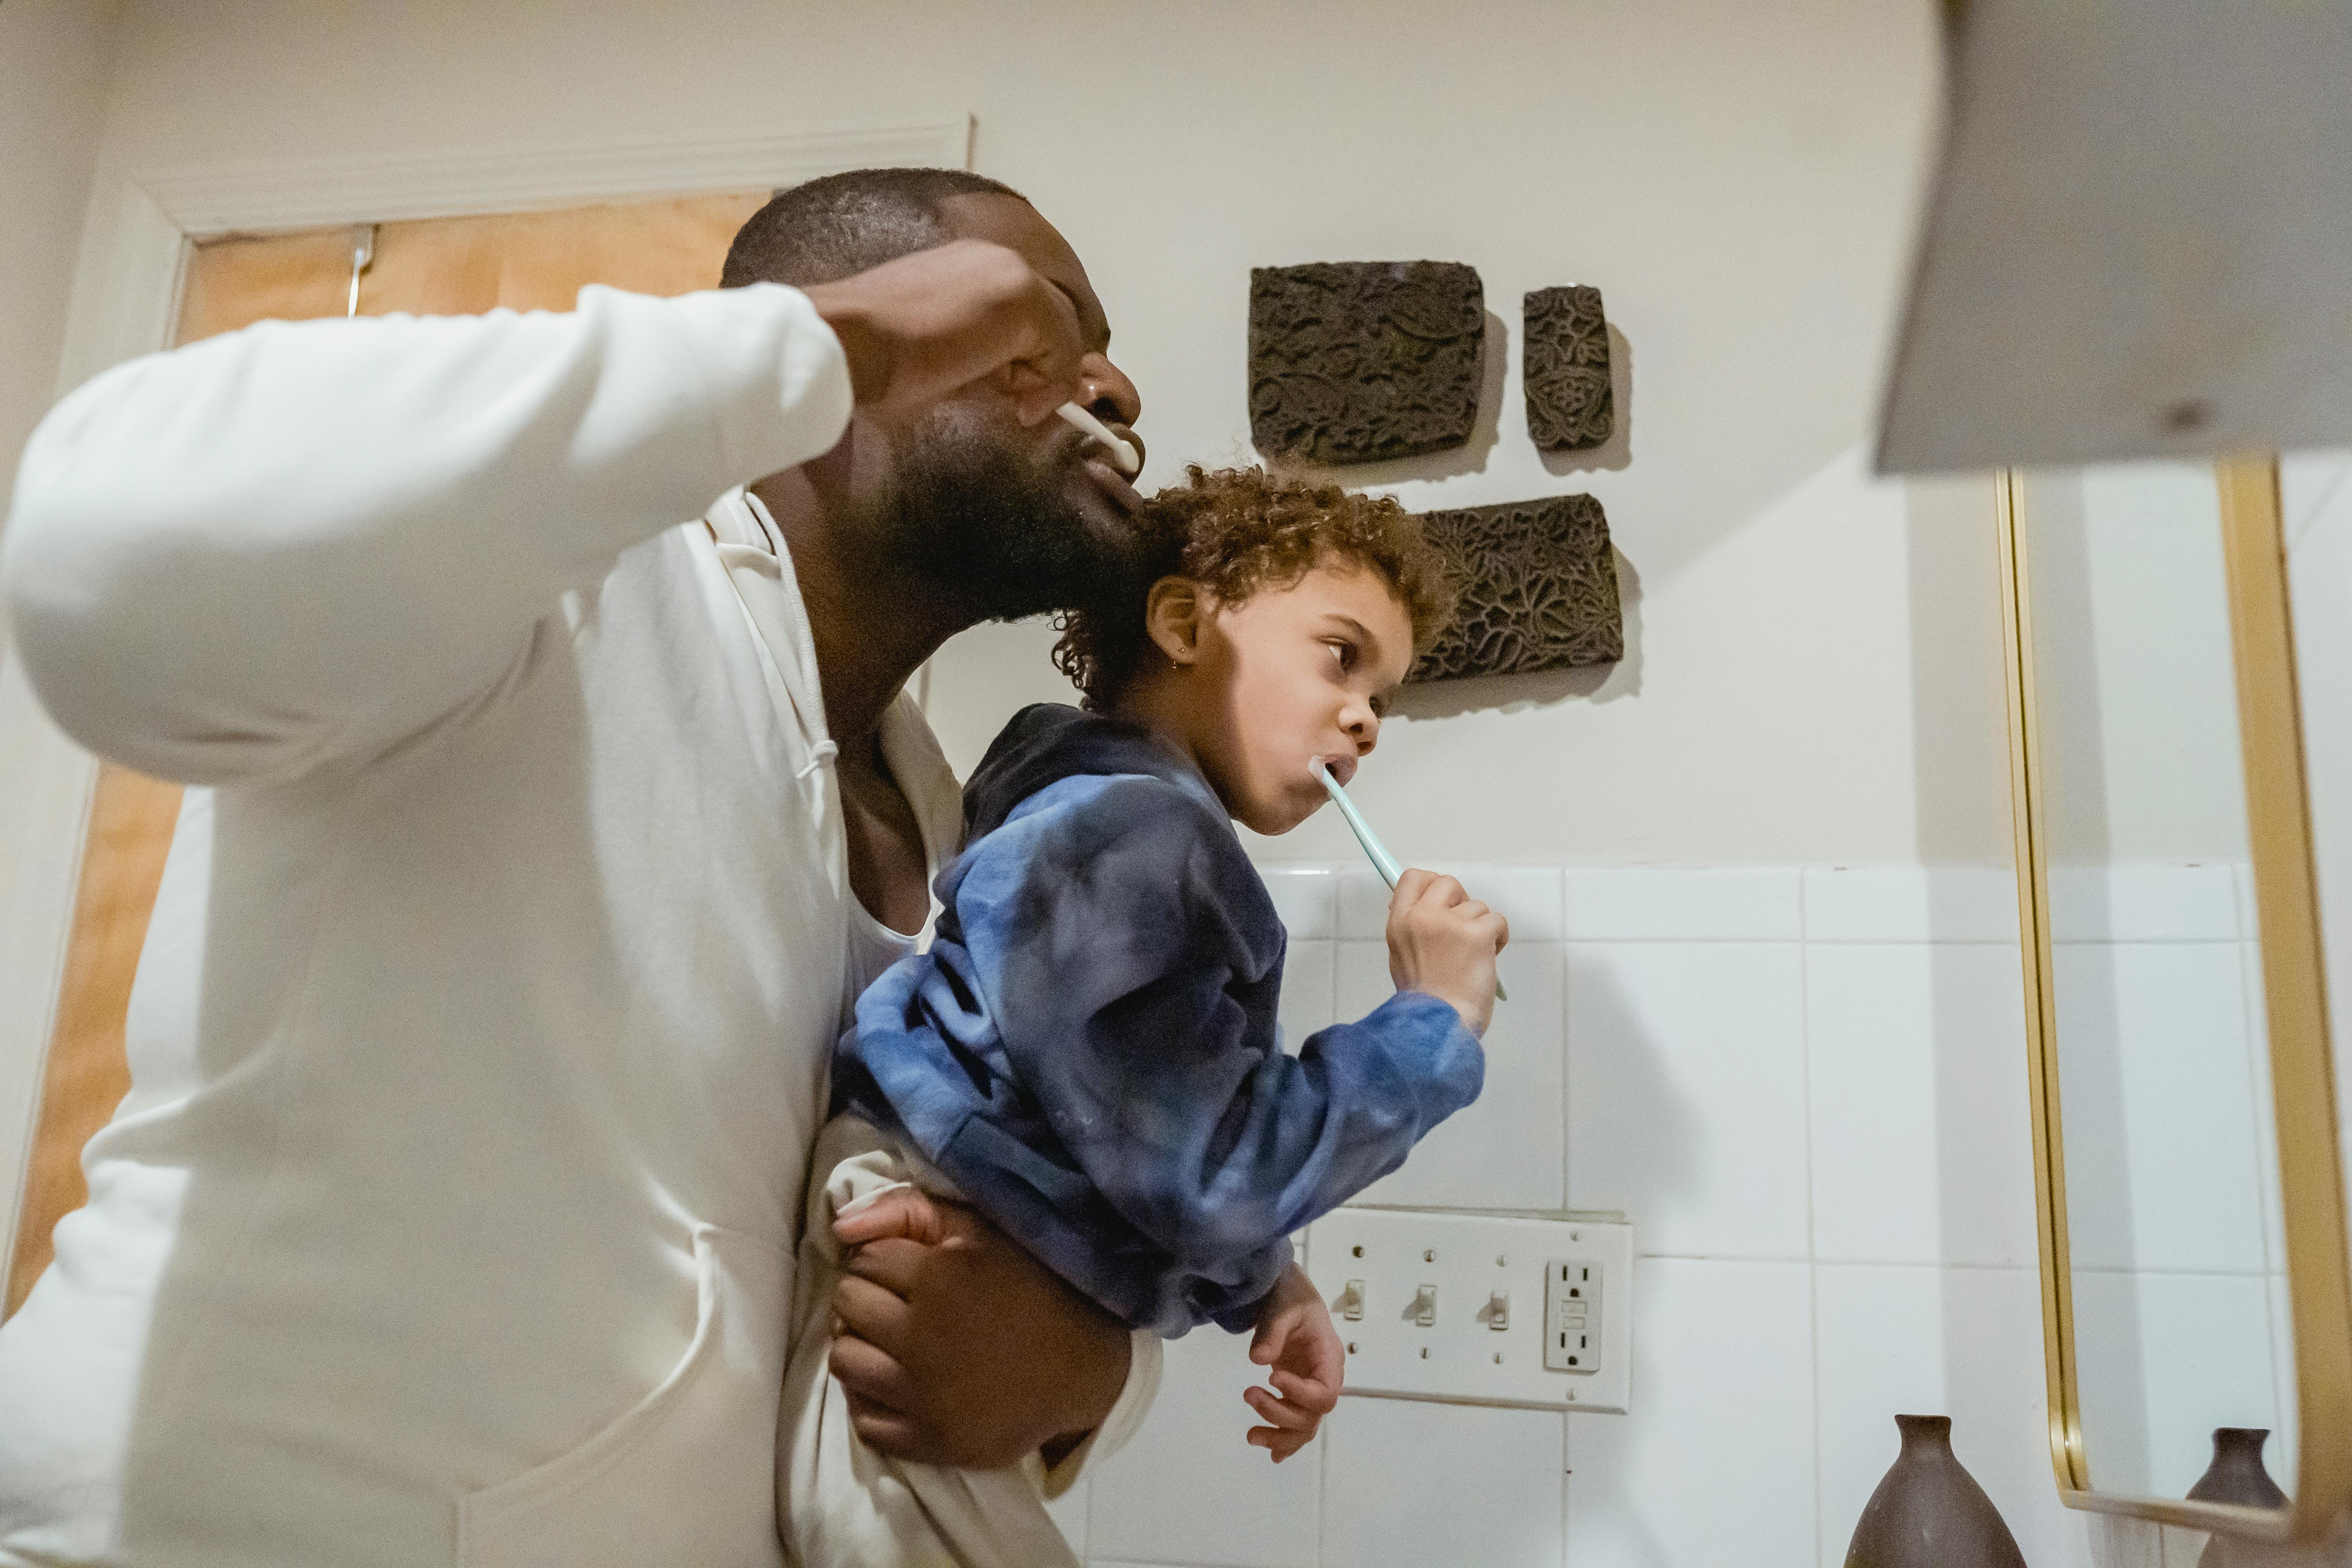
(927, 1275)
(957, 1348)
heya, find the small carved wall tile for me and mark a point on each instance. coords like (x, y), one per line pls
(1565, 356)
(1537, 585)
(1355, 361)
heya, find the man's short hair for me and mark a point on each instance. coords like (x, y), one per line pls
(840, 225)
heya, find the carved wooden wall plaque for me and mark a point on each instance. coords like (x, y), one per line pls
(1538, 589)
(1355, 361)
(1565, 356)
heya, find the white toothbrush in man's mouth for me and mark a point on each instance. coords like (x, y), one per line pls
(1122, 454)
(1378, 853)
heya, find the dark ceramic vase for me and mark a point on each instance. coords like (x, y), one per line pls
(1928, 1512)
(2236, 1474)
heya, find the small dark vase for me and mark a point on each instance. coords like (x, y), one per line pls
(2236, 1474)
(1928, 1512)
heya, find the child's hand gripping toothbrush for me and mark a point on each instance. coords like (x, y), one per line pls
(1382, 861)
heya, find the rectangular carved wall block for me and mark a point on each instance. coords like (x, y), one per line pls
(1355, 361)
(1537, 585)
(1565, 356)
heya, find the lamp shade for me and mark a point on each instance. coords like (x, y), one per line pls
(2139, 242)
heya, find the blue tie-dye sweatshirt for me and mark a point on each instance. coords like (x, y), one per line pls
(1088, 1051)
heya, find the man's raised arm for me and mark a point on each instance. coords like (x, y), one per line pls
(304, 543)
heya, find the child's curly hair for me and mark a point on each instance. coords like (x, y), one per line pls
(1236, 531)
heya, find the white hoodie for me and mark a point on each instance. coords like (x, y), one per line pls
(479, 1038)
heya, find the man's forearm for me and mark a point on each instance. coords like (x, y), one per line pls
(1095, 1382)
(303, 541)
(1065, 1459)
(963, 1350)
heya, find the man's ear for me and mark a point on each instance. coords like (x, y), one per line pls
(1173, 611)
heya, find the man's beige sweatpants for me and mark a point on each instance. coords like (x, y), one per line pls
(841, 1504)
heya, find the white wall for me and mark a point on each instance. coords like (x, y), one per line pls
(54, 60)
(1813, 674)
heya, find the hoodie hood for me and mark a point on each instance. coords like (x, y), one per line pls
(1051, 740)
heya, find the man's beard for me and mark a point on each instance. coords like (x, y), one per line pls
(989, 525)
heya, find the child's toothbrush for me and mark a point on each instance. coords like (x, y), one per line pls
(1382, 861)
(1120, 452)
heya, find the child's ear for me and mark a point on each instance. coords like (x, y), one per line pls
(1172, 618)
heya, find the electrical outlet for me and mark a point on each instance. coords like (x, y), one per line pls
(1472, 1308)
(1572, 1315)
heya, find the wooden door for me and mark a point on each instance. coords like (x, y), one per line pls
(444, 266)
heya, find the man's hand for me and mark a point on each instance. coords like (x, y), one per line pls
(955, 1347)
(1296, 1338)
(926, 325)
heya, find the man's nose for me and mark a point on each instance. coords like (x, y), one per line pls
(1108, 395)
(1366, 728)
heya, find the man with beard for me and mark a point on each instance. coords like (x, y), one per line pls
(538, 847)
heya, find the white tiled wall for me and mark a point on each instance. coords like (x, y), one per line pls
(1806, 1088)
(1688, 1102)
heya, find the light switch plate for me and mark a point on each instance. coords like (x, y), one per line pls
(1406, 1258)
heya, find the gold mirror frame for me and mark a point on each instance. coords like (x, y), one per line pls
(2294, 986)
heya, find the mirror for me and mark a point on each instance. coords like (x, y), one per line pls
(2176, 1249)
(2152, 677)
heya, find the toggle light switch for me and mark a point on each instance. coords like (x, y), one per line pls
(1481, 1322)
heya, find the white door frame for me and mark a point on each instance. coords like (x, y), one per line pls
(125, 298)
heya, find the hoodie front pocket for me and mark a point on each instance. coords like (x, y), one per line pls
(687, 1474)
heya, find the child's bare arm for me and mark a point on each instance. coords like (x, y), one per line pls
(1295, 1337)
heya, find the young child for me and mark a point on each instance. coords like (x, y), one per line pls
(1088, 1052)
